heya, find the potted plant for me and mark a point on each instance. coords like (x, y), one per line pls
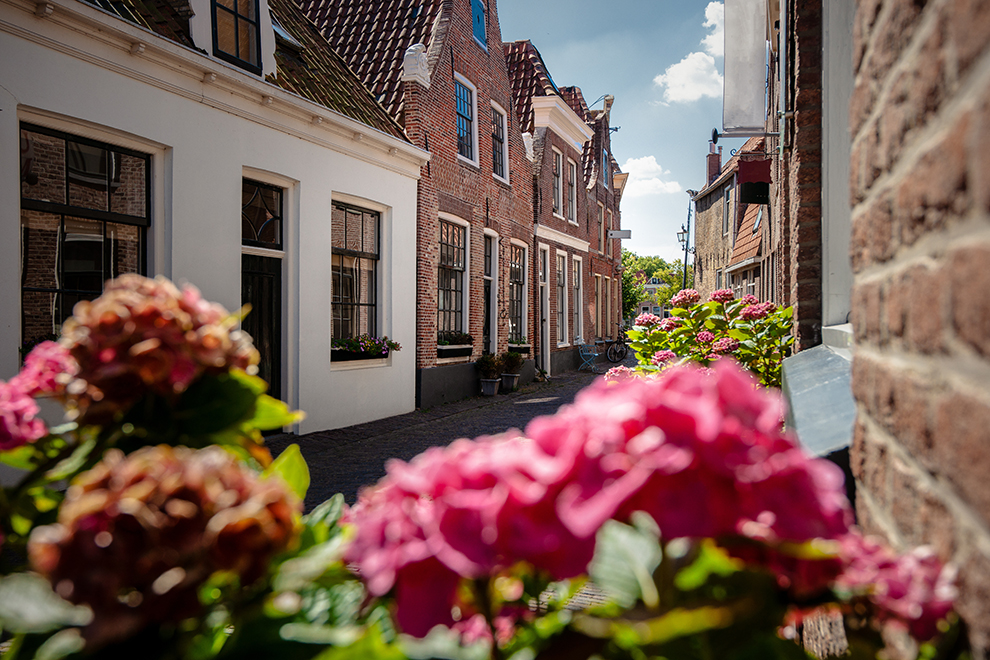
(454, 344)
(490, 366)
(512, 363)
(362, 347)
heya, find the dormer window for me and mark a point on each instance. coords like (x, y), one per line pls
(236, 33)
(478, 22)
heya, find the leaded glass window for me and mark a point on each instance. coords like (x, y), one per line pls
(517, 282)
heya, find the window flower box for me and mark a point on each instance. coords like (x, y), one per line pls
(454, 350)
(522, 349)
(342, 355)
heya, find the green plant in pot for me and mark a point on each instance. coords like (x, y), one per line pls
(490, 367)
(512, 363)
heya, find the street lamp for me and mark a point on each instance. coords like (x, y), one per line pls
(684, 237)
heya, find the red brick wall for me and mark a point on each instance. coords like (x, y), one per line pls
(801, 192)
(920, 186)
(450, 185)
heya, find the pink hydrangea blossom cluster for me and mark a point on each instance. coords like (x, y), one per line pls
(705, 337)
(685, 297)
(757, 311)
(914, 589)
(19, 423)
(722, 295)
(47, 369)
(702, 453)
(725, 345)
(663, 357)
(749, 299)
(670, 323)
(147, 335)
(618, 373)
(647, 319)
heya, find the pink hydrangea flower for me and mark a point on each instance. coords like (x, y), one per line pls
(618, 373)
(662, 357)
(749, 299)
(19, 424)
(757, 311)
(47, 369)
(722, 295)
(670, 323)
(685, 297)
(705, 337)
(725, 345)
(647, 319)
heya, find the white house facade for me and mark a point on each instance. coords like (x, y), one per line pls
(125, 151)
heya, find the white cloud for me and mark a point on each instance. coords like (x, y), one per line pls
(714, 42)
(692, 78)
(645, 178)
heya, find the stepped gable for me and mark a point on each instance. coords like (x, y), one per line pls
(319, 74)
(529, 77)
(747, 245)
(372, 36)
(166, 18)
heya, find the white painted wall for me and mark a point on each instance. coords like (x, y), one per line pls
(73, 71)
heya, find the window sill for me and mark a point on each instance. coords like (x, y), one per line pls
(558, 216)
(573, 222)
(464, 161)
(351, 365)
(454, 351)
(452, 360)
(564, 345)
(500, 179)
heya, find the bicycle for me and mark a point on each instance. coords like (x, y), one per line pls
(617, 348)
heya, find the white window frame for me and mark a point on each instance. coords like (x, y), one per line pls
(557, 183)
(598, 305)
(577, 288)
(608, 228)
(726, 210)
(564, 326)
(525, 288)
(601, 228)
(608, 307)
(493, 311)
(571, 184)
(505, 143)
(466, 294)
(474, 124)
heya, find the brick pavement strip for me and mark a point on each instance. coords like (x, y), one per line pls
(343, 460)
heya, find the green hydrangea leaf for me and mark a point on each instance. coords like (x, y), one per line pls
(29, 605)
(291, 466)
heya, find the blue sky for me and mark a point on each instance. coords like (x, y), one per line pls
(662, 60)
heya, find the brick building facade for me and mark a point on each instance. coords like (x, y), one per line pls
(920, 188)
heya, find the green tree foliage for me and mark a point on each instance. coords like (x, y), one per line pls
(638, 270)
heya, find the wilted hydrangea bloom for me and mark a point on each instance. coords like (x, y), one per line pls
(685, 297)
(19, 423)
(146, 335)
(647, 319)
(662, 357)
(137, 535)
(722, 295)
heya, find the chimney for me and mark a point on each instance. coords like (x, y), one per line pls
(714, 162)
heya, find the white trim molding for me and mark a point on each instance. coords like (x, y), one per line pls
(553, 112)
(560, 237)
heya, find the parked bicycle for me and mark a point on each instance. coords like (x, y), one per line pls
(617, 348)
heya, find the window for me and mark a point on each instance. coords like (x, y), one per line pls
(261, 275)
(261, 215)
(561, 299)
(478, 22)
(608, 241)
(578, 300)
(607, 328)
(488, 273)
(718, 279)
(571, 191)
(450, 278)
(598, 305)
(466, 130)
(354, 235)
(601, 227)
(557, 187)
(726, 205)
(517, 287)
(236, 33)
(606, 169)
(85, 209)
(499, 151)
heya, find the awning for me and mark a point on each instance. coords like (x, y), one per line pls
(744, 89)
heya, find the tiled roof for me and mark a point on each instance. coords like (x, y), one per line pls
(372, 36)
(315, 73)
(168, 18)
(752, 145)
(574, 98)
(320, 75)
(747, 243)
(529, 77)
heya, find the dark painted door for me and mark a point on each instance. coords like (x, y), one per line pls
(261, 287)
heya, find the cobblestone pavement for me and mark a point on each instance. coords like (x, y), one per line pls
(343, 460)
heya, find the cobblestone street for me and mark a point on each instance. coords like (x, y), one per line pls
(343, 460)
